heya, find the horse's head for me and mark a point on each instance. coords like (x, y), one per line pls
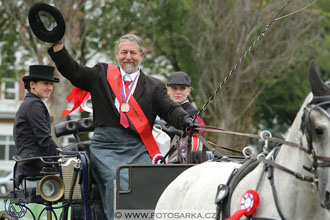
(316, 127)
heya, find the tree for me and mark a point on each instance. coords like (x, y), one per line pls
(222, 31)
(91, 30)
(278, 104)
(203, 38)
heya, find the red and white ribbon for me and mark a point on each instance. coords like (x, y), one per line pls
(157, 159)
(130, 89)
(249, 204)
(78, 96)
(84, 106)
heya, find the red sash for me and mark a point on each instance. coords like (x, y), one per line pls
(135, 114)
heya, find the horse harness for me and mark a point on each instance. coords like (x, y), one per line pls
(224, 192)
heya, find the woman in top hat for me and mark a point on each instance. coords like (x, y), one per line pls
(32, 132)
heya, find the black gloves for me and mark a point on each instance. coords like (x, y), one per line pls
(188, 123)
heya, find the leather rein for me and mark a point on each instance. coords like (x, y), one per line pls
(261, 157)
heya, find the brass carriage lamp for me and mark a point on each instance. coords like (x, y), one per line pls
(51, 188)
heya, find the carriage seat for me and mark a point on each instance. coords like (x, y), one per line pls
(75, 127)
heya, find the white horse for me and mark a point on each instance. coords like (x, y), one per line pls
(194, 191)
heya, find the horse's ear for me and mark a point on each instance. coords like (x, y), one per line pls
(319, 88)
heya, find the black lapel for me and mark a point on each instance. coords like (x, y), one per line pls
(140, 87)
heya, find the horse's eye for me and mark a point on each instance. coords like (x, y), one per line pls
(318, 131)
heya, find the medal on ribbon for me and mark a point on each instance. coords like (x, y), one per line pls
(124, 107)
(127, 94)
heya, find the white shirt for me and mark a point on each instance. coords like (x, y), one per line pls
(128, 77)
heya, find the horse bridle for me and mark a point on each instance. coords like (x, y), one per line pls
(261, 157)
(307, 126)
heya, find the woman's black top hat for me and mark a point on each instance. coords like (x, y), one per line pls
(46, 22)
(41, 72)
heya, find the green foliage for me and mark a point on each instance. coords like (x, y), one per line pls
(322, 60)
(14, 50)
(162, 25)
(7, 62)
(8, 42)
(279, 103)
(277, 106)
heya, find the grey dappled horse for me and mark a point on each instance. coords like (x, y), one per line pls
(194, 191)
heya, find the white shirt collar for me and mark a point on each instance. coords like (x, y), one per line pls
(131, 76)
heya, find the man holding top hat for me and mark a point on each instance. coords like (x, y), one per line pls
(125, 104)
(32, 130)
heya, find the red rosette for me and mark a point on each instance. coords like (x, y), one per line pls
(157, 159)
(249, 204)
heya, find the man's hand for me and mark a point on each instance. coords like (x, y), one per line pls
(188, 123)
(58, 46)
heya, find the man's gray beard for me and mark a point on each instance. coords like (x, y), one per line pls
(130, 68)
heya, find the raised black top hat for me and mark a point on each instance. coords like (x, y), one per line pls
(41, 72)
(46, 22)
(179, 78)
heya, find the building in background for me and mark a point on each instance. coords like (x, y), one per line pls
(11, 96)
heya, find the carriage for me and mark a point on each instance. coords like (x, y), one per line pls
(66, 182)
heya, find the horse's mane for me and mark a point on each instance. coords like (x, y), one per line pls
(294, 130)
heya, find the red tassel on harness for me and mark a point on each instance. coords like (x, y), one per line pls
(78, 95)
(249, 204)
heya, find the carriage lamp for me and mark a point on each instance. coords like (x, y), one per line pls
(51, 188)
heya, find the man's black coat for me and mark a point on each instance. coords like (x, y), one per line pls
(150, 93)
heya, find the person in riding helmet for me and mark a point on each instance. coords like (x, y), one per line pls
(179, 88)
(32, 125)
